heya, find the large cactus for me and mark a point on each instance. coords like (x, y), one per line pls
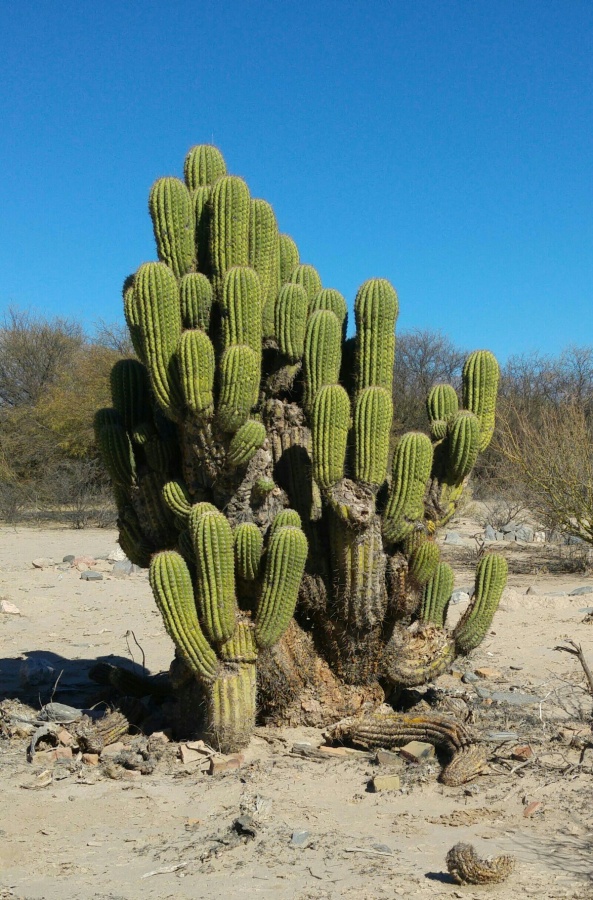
(249, 447)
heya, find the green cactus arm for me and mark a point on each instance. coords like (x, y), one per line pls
(289, 257)
(411, 470)
(215, 584)
(329, 298)
(177, 499)
(200, 197)
(463, 445)
(480, 386)
(373, 414)
(329, 426)
(286, 517)
(248, 544)
(172, 214)
(241, 308)
(203, 165)
(241, 647)
(156, 298)
(130, 392)
(196, 358)
(491, 578)
(131, 316)
(264, 257)
(240, 373)
(423, 562)
(195, 297)
(375, 309)
(157, 516)
(307, 277)
(115, 447)
(285, 563)
(436, 596)
(229, 228)
(172, 588)
(246, 442)
(290, 325)
(323, 353)
(442, 405)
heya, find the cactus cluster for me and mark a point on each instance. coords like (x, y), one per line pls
(250, 446)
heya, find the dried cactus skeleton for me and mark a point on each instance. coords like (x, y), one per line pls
(466, 867)
(249, 450)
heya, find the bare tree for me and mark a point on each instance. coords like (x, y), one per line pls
(33, 351)
(550, 460)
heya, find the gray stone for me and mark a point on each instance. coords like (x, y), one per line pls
(513, 698)
(525, 533)
(459, 596)
(539, 537)
(489, 533)
(36, 670)
(573, 540)
(508, 528)
(69, 558)
(300, 838)
(586, 589)
(500, 736)
(91, 576)
(60, 713)
(122, 567)
(138, 570)
(452, 538)
(64, 567)
(117, 555)
(469, 678)
(500, 536)
(532, 590)
(557, 594)
(586, 609)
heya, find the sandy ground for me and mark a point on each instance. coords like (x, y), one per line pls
(76, 832)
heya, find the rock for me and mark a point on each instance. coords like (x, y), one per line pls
(385, 783)
(219, 765)
(43, 562)
(60, 713)
(509, 528)
(586, 589)
(300, 838)
(91, 759)
(388, 758)
(8, 608)
(488, 673)
(138, 570)
(525, 533)
(91, 576)
(469, 678)
(572, 540)
(69, 558)
(36, 670)
(112, 750)
(65, 738)
(83, 561)
(500, 536)
(64, 567)
(117, 555)
(103, 565)
(489, 533)
(531, 808)
(522, 753)
(499, 736)
(417, 751)
(333, 751)
(532, 590)
(190, 756)
(245, 825)
(459, 596)
(63, 752)
(539, 537)
(515, 698)
(122, 567)
(556, 594)
(452, 537)
(586, 609)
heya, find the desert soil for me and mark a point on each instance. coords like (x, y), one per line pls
(68, 829)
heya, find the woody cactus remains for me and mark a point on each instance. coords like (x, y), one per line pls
(249, 448)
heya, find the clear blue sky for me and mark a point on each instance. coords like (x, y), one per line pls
(444, 144)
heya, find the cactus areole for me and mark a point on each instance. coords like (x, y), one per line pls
(292, 560)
